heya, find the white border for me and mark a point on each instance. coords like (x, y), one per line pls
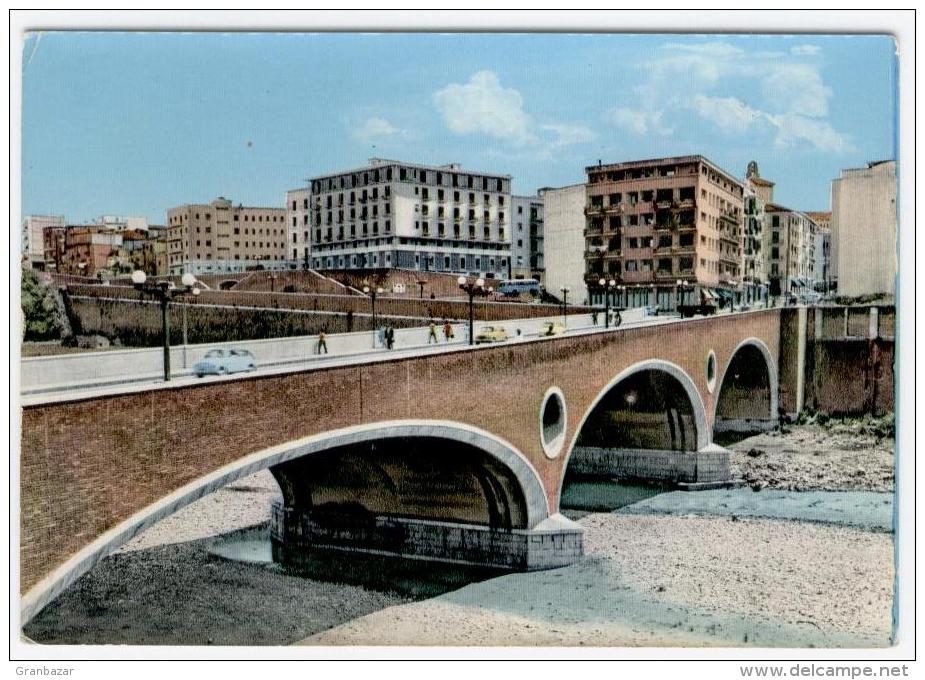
(900, 23)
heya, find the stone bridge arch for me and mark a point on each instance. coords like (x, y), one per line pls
(747, 390)
(529, 487)
(597, 460)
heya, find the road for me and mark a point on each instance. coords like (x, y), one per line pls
(65, 377)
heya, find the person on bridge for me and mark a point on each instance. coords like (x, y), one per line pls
(594, 317)
(447, 330)
(322, 342)
(389, 337)
(433, 333)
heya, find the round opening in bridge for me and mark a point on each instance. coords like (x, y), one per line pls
(711, 371)
(552, 422)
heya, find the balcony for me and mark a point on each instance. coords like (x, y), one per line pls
(664, 204)
(594, 210)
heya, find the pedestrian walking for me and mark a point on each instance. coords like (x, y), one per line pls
(389, 337)
(432, 338)
(447, 331)
(322, 342)
(349, 320)
(594, 317)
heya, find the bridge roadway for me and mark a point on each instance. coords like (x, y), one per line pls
(445, 452)
(46, 379)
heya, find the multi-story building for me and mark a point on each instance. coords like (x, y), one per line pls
(396, 214)
(667, 230)
(89, 250)
(298, 221)
(823, 265)
(864, 230)
(792, 251)
(527, 238)
(564, 236)
(33, 238)
(222, 237)
(755, 241)
(53, 247)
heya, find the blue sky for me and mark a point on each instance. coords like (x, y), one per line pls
(133, 124)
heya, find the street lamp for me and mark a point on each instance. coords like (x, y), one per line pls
(421, 285)
(478, 286)
(607, 286)
(565, 292)
(372, 292)
(164, 294)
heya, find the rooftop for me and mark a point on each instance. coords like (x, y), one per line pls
(671, 160)
(375, 163)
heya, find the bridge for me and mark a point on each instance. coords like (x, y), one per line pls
(454, 453)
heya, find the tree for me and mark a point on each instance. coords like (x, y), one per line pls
(41, 314)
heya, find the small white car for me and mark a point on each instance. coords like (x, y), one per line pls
(224, 361)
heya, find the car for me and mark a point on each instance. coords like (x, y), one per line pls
(491, 334)
(552, 328)
(222, 361)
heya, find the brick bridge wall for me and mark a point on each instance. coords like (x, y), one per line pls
(89, 464)
(400, 306)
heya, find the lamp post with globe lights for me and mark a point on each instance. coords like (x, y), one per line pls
(471, 287)
(164, 292)
(372, 293)
(565, 292)
(607, 286)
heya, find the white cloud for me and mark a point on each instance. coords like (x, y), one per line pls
(728, 113)
(483, 105)
(794, 130)
(797, 88)
(714, 76)
(374, 129)
(638, 121)
(805, 50)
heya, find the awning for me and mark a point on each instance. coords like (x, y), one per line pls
(726, 294)
(708, 294)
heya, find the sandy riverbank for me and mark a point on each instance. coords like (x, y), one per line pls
(645, 579)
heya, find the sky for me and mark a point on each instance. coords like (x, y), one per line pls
(137, 123)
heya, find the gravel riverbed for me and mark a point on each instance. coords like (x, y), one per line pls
(646, 579)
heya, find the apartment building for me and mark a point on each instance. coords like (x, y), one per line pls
(666, 230)
(527, 238)
(53, 246)
(822, 273)
(87, 250)
(220, 237)
(792, 250)
(755, 237)
(396, 214)
(864, 230)
(33, 238)
(298, 221)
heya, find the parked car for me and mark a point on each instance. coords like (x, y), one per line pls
(491, 334)
(552, 328)
(222, 361)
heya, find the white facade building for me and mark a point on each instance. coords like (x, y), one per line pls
(527, 238)
(564, 237)
(864, 230)
(33, 243)
(298, 219)
(792, 257)
(396, 214)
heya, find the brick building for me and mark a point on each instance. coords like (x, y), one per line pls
(651, 224)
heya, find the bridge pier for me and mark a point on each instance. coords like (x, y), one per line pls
(296, 532)
(706, 468)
